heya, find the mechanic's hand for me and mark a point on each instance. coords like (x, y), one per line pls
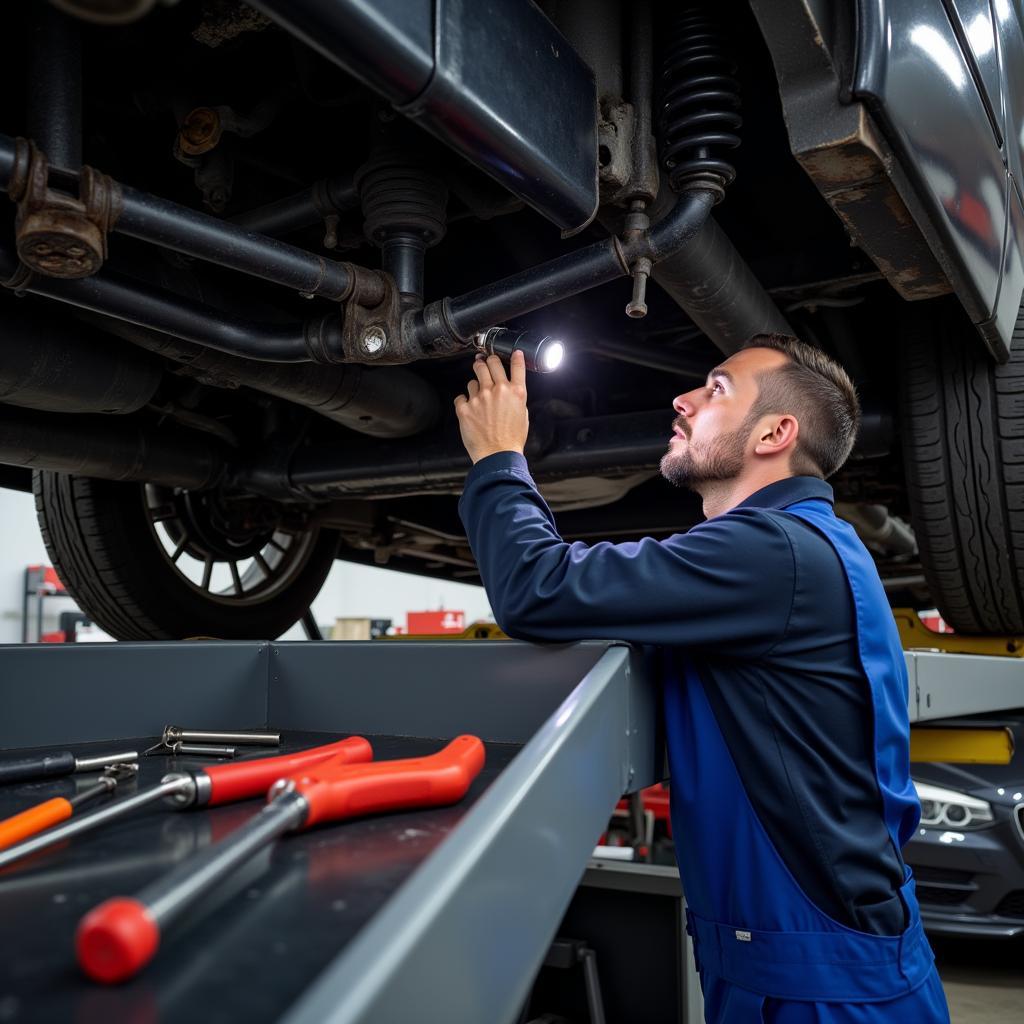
(492, 414)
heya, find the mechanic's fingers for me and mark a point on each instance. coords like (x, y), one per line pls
(497, 370)
(518, 368)
(473, 387)
(483, 373)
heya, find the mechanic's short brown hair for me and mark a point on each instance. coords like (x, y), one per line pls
(815, 389)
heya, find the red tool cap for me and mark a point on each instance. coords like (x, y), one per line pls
(116, 939)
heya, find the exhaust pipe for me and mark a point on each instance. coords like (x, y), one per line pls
(385, 402)
(98, 446)
(389, 402)
(55, 366)
(712, 284)
(620, 444)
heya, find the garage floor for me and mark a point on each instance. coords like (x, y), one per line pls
(984, 981)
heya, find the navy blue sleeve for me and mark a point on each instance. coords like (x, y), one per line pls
(727, 583)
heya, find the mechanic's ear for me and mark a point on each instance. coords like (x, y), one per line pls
(778, 435)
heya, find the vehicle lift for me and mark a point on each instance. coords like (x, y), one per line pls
(444, 915)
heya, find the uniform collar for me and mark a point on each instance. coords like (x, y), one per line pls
(788, 492)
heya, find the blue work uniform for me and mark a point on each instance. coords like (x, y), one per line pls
(787, 732)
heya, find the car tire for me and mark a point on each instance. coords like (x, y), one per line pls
(962, 422)
(104, 547)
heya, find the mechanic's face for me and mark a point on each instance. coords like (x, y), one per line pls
(713, 433)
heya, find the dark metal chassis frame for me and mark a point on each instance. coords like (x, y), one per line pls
(546, 170)
(585, 715)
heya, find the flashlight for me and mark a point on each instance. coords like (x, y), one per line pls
(544, 354)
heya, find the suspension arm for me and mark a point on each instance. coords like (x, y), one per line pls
(171, 226)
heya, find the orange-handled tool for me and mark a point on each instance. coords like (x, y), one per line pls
(35, 819)
(52, 812)
(119, 937)
(214, 785)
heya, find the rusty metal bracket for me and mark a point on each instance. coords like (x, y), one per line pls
(59, 235)
(371, 332)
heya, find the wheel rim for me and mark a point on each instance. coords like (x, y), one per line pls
(238, 568)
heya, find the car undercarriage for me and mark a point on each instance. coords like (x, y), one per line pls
(249, 251)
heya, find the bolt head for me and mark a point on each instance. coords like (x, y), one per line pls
(200, 131)
(374, 341)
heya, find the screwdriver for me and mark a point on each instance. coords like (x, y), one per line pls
(52, 812)
(63, 762)
(213, 785)
(120, 936)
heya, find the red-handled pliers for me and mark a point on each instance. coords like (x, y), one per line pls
(119, 937)
(212, 786)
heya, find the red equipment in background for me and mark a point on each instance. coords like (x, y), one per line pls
(643, 822)
(435, 622)
(41, 581)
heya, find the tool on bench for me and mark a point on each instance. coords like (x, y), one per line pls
(213, 785)
(120, 936)
(53, 812)
(174, 734)
(61, 762)
(200, 750)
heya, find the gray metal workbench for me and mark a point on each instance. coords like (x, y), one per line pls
(441, 915)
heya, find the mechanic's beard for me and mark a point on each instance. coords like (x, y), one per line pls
(694, 465)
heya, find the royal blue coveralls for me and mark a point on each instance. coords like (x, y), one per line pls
(786, 726)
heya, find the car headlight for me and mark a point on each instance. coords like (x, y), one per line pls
(946, 808)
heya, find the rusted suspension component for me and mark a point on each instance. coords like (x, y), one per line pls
(370, 332)
(160, 222)
(59, 235)
(200, 131)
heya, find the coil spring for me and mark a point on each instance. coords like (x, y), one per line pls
(699, 109)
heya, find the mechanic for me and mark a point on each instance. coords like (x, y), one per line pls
(785, 686)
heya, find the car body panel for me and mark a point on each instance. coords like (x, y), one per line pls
(912, 71)
(452, 68)
(974, 23)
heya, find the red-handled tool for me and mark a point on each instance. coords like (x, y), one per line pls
(119, 937)
(246, 779)
(216, 784)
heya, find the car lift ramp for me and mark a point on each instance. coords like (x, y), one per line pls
(432, 915)
(437, 915)
(947, 685)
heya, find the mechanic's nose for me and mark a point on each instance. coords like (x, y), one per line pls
(684, 405)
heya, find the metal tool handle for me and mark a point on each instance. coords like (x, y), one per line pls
(335, 791)
(201, 750)
(174, 734)
(248, 779)
(92, 764)
(41, 766)
(119, 937)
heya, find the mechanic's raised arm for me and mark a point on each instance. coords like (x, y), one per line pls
(727, 582)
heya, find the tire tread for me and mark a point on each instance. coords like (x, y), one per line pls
(963, 419)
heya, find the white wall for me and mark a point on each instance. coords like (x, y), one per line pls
(350, 590)
(365, 591)
(21, 545)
